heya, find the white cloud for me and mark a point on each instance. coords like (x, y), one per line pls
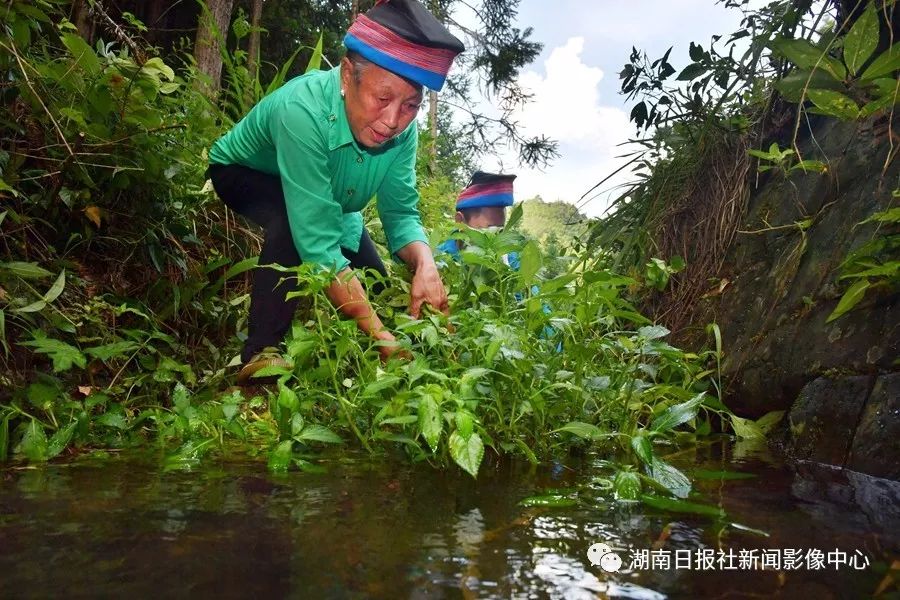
(566, 106)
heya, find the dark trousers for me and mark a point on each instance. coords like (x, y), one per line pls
(258, 197)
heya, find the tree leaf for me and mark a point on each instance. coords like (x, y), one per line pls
(692, 71)
(861, 40)
(430, 422)
(884, 64)
(676, 415)
(834, 104)
(467, 452)
(319, 433)
(808, 56)
(851, 298)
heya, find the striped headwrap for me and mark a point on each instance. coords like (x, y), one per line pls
(404, 38)
(486, 189)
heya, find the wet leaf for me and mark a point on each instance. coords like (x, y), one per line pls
(549, 500)
(681, 506)
(642, 447)
(467, 453)
(60, 439)
(746, 429)
(280, 456)
(669, 477)
(627, 485)
(34, 442)
(465, 423)
(676, 415)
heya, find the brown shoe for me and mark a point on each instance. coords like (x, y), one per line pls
(268, 357)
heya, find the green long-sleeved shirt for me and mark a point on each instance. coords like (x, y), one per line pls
(300, 133)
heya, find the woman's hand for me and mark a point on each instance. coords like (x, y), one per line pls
(427, 287)
(389, 347)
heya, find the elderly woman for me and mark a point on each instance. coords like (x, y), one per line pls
(308, 158)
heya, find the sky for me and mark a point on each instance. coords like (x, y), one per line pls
(575, 82)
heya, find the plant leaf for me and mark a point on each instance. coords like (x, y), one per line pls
(4, 439)
(467, 452)
(34, 442)
(315, 61)
(861, 40)
(669, 477)
(676, 415)
(582, 430)
(319, 433)
(26, 270)
(60, 439)
(834, 104)
(57, 288)
(430, 422)
(851, 298)
(280, 456)
(886, 63)
(640, 443)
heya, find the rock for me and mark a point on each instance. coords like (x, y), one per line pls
(876, 445)
(824, 418)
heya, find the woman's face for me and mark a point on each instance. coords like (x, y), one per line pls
(379, 105)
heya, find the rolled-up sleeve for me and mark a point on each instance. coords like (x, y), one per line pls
(398, 199)
(315, 218)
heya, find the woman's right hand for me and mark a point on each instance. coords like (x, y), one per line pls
(389, 347)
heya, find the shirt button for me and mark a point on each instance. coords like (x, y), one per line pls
(331, 117)
(350, 192)
(359, 159)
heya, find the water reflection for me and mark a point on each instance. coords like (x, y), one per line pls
(373, 528)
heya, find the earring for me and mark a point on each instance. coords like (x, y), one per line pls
(342, 92)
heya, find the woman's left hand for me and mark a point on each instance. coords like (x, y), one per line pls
(427, 288)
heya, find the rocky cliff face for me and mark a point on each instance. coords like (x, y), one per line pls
(780, 282)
